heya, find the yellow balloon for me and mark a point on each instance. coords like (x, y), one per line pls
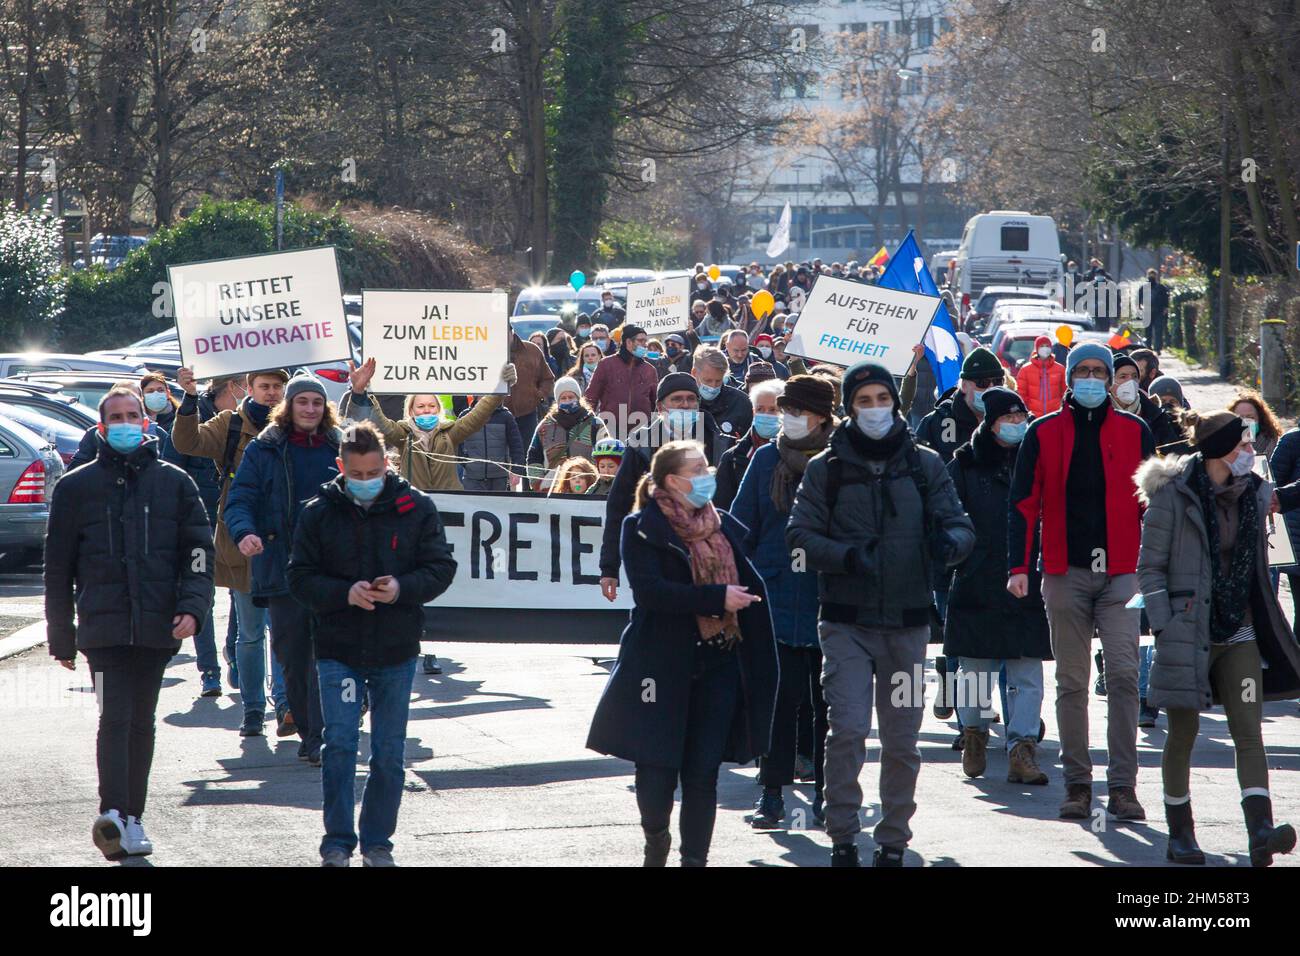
(761, 304)
(714, 273)
(1064, 335)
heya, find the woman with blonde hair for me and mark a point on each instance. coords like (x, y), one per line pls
(699, 641)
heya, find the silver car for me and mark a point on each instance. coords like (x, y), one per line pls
(29, 467)
(19, 363)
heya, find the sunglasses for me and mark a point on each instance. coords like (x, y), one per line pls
(986, 382)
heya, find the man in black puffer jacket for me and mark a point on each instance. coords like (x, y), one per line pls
(368, 552)
(129, 550)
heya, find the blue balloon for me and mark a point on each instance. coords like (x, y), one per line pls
(577, 280)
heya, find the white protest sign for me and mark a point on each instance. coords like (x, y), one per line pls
(525, 551)
(435, 341)
(277, 310)
(844, 322)
(1281, 551)
(660, 306)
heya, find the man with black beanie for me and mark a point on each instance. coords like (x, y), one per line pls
(873, 515)
(622, 388)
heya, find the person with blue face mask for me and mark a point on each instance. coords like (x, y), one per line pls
(729, 406)
(570, 429)
(369, 532)
(702, 631)
(622, 389)
(987, 629)
(1085, 519)
(766, 425)
(875, 516)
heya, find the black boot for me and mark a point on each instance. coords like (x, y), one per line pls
(1265, 839)
(694, 861)
(888, 856)
(844, 854)
(657, 846)
(1182, 835)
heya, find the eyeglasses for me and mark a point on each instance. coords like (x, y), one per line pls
(1082, 372)
(985, 382)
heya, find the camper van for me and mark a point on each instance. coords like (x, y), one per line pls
(939, 265)
(1006, 247)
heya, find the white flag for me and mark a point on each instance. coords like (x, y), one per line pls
(781, 238)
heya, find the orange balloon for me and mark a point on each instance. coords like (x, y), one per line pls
(1064, 335)
(761, 304)
(714, 273)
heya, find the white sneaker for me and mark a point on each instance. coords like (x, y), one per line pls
(136, 843)
(109, 833)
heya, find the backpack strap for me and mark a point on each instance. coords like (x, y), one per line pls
(835, 479)
(225, 469)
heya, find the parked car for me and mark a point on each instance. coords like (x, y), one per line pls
(110, 251)
(65, 438)
(49, 401)
(617, 280)
(165, 360)
(558, 303)
(982, 309)
(29, 467)
(16, 363)
(1008, 312)
(87, 388)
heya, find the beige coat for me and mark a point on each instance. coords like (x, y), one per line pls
(436, 469)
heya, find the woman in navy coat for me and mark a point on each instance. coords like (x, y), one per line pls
(696, 678)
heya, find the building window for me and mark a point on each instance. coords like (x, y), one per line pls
(925, 32)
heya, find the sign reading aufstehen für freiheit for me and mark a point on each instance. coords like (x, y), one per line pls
(844, 322)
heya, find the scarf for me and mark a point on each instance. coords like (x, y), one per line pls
(1230, 587)
(255, 412)
(712, 559)
(874, 449)
(793, 457)
(569, 420)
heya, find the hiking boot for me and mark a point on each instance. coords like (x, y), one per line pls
(1077, 803)
(429, 665)
(942, 705)
(974, 751)
(284, 725)
(1265, 839)
(1100, 686)
(770, 812)
(1022, 767)
(1147, 714)
(844, 854)
(805, 771)
(210, 684)
(1182, 835)
(335, 857)
(377, 856)
(657, 846)
(888, 856)
(1123, 804)
(252, 725)
(313, 755)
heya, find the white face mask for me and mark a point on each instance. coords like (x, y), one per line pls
(764, 351)
(1243, 464)
(1127, 392)
(875, 422)
(794, 426)
(1044, 352)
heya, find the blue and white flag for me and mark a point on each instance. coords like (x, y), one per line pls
(907, 272)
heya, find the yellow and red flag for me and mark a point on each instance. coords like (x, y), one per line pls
(880, 258)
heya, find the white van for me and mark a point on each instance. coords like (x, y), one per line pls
(1006, 247)
(939, 264)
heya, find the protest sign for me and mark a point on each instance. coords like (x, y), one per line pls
(844, 322)
(660, 306)
(278, 310)
(525, 551)
(436, 341)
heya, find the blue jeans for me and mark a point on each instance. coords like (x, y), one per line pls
(1145, 654)
(205, 647)
(232, 632)
(1024, 700)
(341, 690)
(250, 652)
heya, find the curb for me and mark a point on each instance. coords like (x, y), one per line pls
(23, 639)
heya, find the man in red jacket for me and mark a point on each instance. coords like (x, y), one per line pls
(1041, 380)
(622, 389)
(1074, 474)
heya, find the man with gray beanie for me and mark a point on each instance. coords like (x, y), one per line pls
(1074, 477)
(873, 514)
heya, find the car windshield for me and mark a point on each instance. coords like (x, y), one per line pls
(990, 299)
(1019, 350)
(557, 305)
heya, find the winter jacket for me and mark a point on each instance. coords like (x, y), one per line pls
(535, 384)
(731, 468)
(641, 447)
(337, 543)
(732, 410)
(935, 432)
(871, 549)
(435, 470)
(128, 547)
(1041, 385)
(261, 501)
(984, 619)
(666, 366)
(202, 469)
(791, 593)
(1162, 426)
(1285, 465)
(498, 440)
(1176, 577)
(620, 389)
(552, 443)
(211, 438)
(659, 645)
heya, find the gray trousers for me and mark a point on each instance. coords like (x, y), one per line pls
(857, 662)
(1079, 603)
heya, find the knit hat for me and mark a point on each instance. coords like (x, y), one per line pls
(1215, 434)
(1040, 342)
(608, 448)
(303, 383)
(1146, 355)
(675, 337)
(999, 401)
(808, 393)
(1123, 361)
(566, 384)
(759, 371)
(866, 373)
(759, 339)
(1089, 350)
(1167, 385)
(630, 331)
(981, 363)
(677, 382)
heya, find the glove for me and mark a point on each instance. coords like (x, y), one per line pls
(861, 559)
(510, 374)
